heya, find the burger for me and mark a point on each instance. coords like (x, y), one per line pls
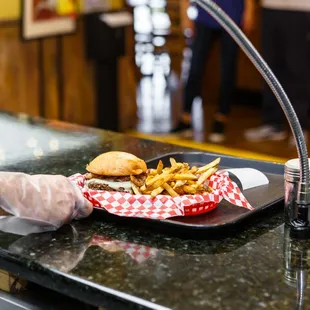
(116, 172)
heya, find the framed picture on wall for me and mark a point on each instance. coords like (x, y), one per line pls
(46, 18)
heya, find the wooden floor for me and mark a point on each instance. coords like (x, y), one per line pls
(243, 118)
(235, 145)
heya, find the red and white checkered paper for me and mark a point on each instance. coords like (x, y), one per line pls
(162, 206)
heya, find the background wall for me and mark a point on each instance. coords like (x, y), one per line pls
(10, 9)
(29, 72)
(22, 84)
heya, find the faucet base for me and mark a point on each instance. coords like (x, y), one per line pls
(299, 230)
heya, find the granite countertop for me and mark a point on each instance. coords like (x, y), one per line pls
(120, 267)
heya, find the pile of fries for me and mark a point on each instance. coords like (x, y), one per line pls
(179, 179)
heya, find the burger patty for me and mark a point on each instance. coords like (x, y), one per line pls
(138, 180)
(104, 187)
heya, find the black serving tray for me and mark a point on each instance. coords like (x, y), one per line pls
(225, 216)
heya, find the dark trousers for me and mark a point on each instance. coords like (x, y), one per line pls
(286, 49)
(204, 40)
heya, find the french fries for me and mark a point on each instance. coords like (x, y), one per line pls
(135, 189)
(178, 179)
(157, 191)
(173, 162)
(213, 164)
(160, 167)
(170, 190)
(205, 176)
(185, 176)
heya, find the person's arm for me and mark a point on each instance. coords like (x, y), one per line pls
(248, 20)
(186, 22)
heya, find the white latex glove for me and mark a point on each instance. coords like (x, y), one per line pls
(39, 203)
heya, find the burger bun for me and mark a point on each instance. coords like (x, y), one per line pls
(117, 164)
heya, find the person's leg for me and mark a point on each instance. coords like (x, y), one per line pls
(296, 79)
(229, 54)
(272, 51)
(296, 26)
(201, 46)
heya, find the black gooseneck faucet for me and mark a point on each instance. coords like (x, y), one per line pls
(301, 222)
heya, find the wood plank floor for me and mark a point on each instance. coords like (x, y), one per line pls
(241, 119)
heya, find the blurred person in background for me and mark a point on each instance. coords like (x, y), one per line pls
(206, 32)
(286, 49)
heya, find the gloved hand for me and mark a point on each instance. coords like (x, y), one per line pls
(36, 203)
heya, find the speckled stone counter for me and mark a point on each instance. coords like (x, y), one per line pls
(121, 267)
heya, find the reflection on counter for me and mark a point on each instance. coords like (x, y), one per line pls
(33, 143)
(297, 266)
(66, 148)
(167, 270)
(75, 243)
